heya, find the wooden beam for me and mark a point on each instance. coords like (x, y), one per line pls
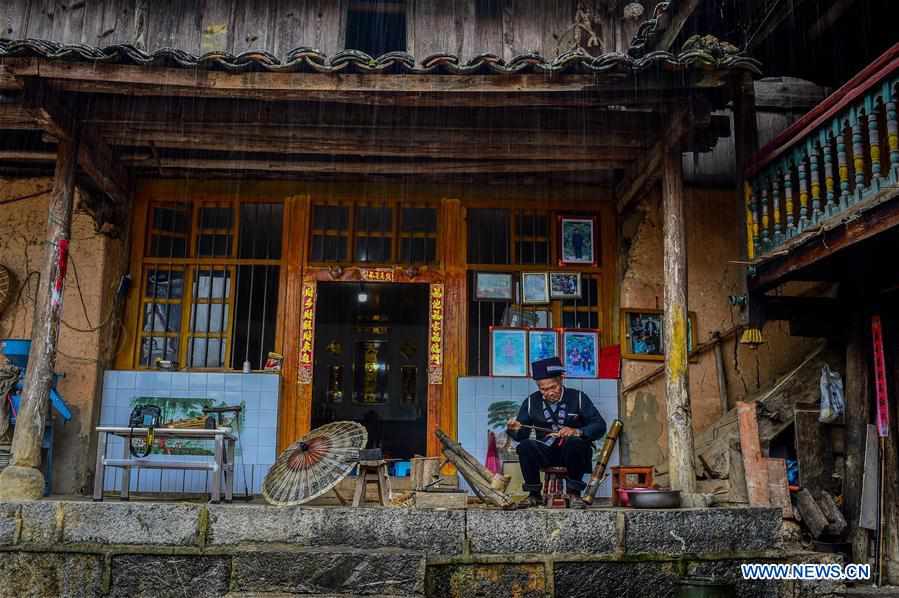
(347, 142)
(435, 167)
(647, 168)
(857, 400)
(753, 461)
(680, 418)
(26, 156)
(372, 89)
(23, 479)
(95, 157)
(685, 9)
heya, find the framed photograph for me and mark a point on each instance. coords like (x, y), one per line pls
(534, 288)
(643, 337)
(542, 343)
(543, 319)
(508, 352)
(580, 352)
(494, 286)
(577, 241)
(564, 285)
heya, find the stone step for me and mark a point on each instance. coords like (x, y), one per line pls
(870, 592)
(283, 595)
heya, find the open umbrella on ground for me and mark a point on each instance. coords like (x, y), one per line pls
(314, 464)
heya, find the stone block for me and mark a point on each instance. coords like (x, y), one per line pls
(39, 522)
(678, 532)
(433, 532)
(590, 531)
(130, 523)
(50, 575)
(317, 571)
(8, 512)
(143, 576)
(608, 579)
(522, 580)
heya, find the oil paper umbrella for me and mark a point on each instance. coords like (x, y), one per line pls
(314, 464)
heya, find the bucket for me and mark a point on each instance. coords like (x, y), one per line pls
(704, 587)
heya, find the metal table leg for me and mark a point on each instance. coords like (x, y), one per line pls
(100, 469)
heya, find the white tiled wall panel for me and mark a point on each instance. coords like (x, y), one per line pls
(256, 449)
(477, 393)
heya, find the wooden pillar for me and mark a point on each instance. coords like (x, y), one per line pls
(23, 479)
(442, 397)
(680, 418)
(856, 426)
(295, 412)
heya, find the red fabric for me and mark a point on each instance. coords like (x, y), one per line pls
(610, 362)
(493, 464)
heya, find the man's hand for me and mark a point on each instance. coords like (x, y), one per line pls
(513, 425)
(567, 432)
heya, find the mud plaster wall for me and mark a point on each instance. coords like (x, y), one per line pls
(98, 263)
(713, 239)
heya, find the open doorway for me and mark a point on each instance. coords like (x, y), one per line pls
(371, 362)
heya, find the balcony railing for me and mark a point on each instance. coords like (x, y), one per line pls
(829, 164)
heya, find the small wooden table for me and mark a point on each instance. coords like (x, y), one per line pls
(222, 465)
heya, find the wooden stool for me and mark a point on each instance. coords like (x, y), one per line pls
(553, 492)
(629, 477)
(372, 472)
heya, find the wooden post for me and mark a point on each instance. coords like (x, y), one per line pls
(856, 427)
(680, 418)
(23, 480)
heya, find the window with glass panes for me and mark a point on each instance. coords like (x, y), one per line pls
(373, 233)
(209, 284)
(518, 240)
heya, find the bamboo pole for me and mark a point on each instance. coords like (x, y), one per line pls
(680, 425)
(23, 480)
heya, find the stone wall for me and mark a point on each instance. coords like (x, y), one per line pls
(159, 550)
(96, 264)
(714, 246)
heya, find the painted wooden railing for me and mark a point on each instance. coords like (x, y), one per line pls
(828, 162)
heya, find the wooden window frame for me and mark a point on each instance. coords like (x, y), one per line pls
(352, 233)
(190, 266)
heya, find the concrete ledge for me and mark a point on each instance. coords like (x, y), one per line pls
(542, 531)
(433, 532)
(701, 531)
(382, 572)
(130, 523)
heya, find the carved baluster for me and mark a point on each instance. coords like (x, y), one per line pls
(840, 130)
(775, 197)
(788, 196)
(803, 192)
(876, 104)
(858, 152)
(830, 207)
(766, 241)
(893, 133)
(816, 183)
(752, 227)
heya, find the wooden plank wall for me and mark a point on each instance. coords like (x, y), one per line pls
(463, 27)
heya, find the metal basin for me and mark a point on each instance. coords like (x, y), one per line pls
(654, 499)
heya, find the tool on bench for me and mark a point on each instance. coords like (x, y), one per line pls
(215, 419)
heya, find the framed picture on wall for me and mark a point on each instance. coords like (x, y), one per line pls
(508, 352)
(494, 286)
(643, 336)
(534, 288)
(564, 285)
(580, 352)
(542, 343)
(577, 241)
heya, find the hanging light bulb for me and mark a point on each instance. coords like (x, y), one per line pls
(362, 297)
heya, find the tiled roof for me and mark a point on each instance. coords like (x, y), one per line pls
(308, 60)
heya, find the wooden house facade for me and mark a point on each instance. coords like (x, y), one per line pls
(251, 158)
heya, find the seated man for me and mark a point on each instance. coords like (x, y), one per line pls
(575, 424)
